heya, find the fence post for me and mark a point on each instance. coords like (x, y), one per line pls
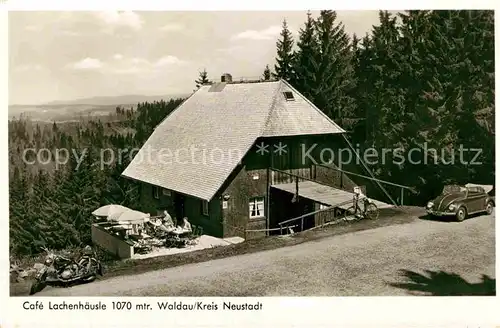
(302, 224)
(402, 194)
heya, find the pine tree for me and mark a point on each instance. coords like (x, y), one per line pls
(333, 70)
(202, 79)
(304, 65)
(284, 55)
(267, 73)
(358, 122)
(378, 69)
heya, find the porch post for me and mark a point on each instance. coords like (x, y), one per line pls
(268, 207)
(268, 196)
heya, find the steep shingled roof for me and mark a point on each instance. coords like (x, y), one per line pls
(198, 145)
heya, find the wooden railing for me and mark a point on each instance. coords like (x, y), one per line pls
(402, 187)
(334, 208)
(281, 229)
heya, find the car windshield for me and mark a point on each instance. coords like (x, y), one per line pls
(452, 189)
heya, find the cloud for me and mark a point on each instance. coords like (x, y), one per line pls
(167, 60)
(269, 33)
(171, 27)
(138, 61)
(114, 19)
(87, 64)
(127, 65)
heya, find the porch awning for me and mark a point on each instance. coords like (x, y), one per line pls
(323, 194)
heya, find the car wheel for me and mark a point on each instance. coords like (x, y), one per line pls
(489, 208)
(461, 214)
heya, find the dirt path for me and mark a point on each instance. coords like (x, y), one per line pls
(362, 263)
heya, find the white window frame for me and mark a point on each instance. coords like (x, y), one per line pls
(205, 207)
(256, 205)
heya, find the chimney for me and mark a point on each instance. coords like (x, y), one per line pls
(226, 77)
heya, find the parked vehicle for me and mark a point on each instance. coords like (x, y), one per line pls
(62, 271)
(461, 201)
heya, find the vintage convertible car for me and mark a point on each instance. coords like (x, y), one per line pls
(461, 201)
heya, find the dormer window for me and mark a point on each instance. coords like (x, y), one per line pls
(288, 95)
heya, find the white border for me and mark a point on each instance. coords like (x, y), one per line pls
(326, 312)
(196, 5)
(4, 193)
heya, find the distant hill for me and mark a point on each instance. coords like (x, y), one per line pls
(65, 110)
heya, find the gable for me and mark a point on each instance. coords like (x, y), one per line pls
(292, 114)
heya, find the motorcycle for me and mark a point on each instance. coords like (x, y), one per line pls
(61, 271)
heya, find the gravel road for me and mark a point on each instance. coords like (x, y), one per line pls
(438, 258)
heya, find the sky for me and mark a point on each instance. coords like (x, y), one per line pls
(72, 55)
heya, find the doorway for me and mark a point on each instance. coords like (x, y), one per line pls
(179, 201)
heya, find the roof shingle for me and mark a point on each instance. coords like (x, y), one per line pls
(198, 145)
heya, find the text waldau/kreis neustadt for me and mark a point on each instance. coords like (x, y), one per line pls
(212, 306)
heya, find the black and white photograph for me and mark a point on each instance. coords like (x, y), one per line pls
(251, 153)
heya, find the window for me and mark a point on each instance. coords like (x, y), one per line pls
(156, 192)
(288, 95)
(322, 207)
(256, 207)
(204, 207)
(475, 190)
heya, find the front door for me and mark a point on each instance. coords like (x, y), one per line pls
(179, 207)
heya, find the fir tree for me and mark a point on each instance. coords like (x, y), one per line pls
(267, 73)
(202, 79)
(304, 65)
(333, 69)
(284, 56)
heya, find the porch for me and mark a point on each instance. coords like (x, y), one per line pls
(303, 201)
(323, 194)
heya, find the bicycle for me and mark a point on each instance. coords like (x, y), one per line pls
(369, 211)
